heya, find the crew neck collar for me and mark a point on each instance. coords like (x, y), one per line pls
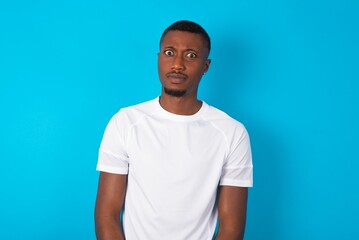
(178, 117)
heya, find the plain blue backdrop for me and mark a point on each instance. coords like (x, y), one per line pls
(288, 70)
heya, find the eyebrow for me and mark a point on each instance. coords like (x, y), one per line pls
(188, 49)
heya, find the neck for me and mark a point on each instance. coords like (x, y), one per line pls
(180, 105)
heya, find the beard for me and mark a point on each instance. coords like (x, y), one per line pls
(174, 92)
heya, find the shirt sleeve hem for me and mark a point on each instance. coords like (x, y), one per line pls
(236, 183)
(115, 170)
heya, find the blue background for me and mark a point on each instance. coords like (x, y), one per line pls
(288, 70)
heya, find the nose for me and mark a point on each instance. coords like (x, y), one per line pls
(178, 63)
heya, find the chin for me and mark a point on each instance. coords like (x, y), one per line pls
(175, 92)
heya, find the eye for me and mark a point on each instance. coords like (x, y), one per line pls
(168, 52)
(191, 55)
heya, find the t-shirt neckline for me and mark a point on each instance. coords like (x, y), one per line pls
(178, 117)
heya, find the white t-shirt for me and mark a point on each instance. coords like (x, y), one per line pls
(174, 165)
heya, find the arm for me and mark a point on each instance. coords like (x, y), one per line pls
(232, 206)
(109, 202)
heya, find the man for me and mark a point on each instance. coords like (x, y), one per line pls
(174, 163)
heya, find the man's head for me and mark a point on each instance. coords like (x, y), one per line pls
(183, 58)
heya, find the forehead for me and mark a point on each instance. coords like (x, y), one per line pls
(182, 39)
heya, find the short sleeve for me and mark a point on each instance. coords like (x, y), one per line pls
(112, 156)
(238, 168)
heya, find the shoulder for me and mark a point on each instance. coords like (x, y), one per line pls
(132, 114)
(223, 121)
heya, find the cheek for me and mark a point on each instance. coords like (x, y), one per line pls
(198, 70)
(162, 65)
(161, 71)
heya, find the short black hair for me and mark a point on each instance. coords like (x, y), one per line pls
(189, 26)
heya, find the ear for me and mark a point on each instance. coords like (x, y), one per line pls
(206, 65)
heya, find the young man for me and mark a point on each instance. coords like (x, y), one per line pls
(174, 163)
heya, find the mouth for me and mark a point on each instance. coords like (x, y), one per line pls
(176, 77)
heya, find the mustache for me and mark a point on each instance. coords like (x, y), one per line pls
(175, 74)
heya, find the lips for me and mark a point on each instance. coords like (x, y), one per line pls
(176, 77)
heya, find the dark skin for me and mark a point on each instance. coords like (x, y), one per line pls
(110, 197)
(232, 208)
(182, 61)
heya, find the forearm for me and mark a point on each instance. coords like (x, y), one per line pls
(230, 234)
(232, 207)
(109, 202)
(108, 228)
